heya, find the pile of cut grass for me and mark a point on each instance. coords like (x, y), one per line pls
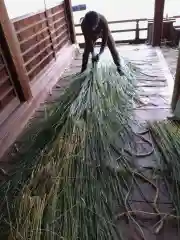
(166, 136)
(70, 178)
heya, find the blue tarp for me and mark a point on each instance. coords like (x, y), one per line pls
(80, 7)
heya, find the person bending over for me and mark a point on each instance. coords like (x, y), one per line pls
(94, 26)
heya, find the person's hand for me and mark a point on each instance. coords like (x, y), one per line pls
(95, 58)
(120, 71)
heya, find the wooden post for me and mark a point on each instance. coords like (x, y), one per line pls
(50, 27)
(158, 22)
(137, 32)
(12, 53)
(176, 91)
(70, 20)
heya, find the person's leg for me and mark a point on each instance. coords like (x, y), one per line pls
(85, 58)
(115, 55)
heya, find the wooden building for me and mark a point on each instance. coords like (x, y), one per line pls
(34, 52)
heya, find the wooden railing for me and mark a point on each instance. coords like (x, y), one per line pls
(137, 30)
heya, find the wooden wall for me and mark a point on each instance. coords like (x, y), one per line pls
(29, 45)
(7, 88)
(34, 52)
(41, 36)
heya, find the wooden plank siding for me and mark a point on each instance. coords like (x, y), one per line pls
(35, 50)
(41, 36)
(31, 47)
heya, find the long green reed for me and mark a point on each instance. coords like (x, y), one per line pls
(72, 178)
(166, 136)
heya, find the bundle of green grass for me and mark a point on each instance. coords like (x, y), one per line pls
(166, 136)
(75, 171)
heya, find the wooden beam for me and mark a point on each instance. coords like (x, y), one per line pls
(158, 22)
(12, 53)
(176, 91)
(70, 20)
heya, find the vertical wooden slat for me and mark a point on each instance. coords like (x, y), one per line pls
(12, 53)
(50, 27)
(137, 32)
(158, 22)
(70, 20)
(176, 91)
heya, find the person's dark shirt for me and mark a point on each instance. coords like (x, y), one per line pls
(101, 31)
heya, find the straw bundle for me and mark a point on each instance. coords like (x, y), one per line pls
(74, 173)
(167, 144)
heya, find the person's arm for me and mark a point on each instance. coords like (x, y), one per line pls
(105, 33)
(88, 47)
(87, 38)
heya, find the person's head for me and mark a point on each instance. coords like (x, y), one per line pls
(92, 19)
